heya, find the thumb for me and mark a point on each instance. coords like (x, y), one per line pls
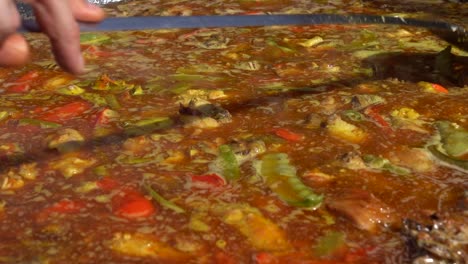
(14, 51)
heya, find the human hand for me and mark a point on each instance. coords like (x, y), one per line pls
(58, 19)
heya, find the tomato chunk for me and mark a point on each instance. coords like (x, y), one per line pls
(62, 207)
(132, 204)
(22, 84)
(107, 184)
(207, 180)
(288, 135)
(65, 112)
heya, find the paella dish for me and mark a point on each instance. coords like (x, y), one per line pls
(317, 144)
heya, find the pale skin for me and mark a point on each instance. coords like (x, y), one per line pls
(58, 19)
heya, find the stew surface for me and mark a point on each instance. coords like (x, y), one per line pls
(316, 144)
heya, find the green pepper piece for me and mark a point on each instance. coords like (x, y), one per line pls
(463, 164)
(112, 101)
(454, 139)
(353, 115)
(92, 38)
(273, 43)
(161, 200)
(329, 243)
(147, 126)
(380, 163)
(37, 122)
(70, 90)
(94, 98)
(282, 179)
(230, 165)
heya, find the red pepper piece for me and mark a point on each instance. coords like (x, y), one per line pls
(107, 184)
(65, 112)
(104, 116)
(439, 88)
(63, 207)
(22, 84)
(265, 258)
(373, 113)
(96, 51)
(223, 258)
(207, 181)
(357, 255)
(132, 204)
(288, 135)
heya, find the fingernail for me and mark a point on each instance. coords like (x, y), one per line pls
(80, 65)
(92, 6)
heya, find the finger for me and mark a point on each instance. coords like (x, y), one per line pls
(85, 11)
(56, 20)
(14, 51)
(9, 19)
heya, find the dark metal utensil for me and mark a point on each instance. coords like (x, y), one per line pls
(458, 35)
(165, 22)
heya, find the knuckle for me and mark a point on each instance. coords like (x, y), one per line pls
(9, 25)
(74, 32)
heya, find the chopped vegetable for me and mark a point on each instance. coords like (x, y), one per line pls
(273, 43)
(432, 87)
(105, 116)
(406, 113)
(112, 101)
(311, 42)
(227, 164)
(211, 180)
(141, 245)
(93, 38)
(463, 164)
(261, 232)
(61, 207)
(132, 204)
(373, 113)
(70, 90)
(288, 135)
(353, 115)
(71, 165)
(23, 83)
(107, 184)
(344, 130)
(94, 98)
(37, 122)
(454, 138)
(282, 179)
(147, 126)
(67, 140)
(384, 164)
(65, 112)
(329, 244)
(162, 201)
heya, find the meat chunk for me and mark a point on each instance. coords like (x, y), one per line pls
(204, 108)
(203, 114)
(365, 210)
(361, 101)
(352, 160)
(66, 140)
(445, 241)
(416, 159)
(247, 149)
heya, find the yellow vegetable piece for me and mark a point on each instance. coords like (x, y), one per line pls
(261, 232)
(141, 245)
(406, 113)
(346, 131)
